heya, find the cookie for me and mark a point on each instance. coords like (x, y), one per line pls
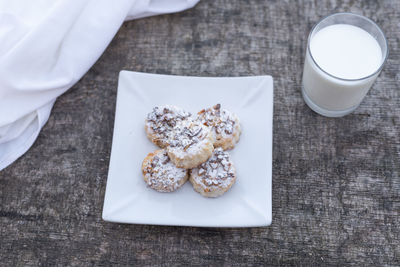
(160, 122)
(190, 144)
(161, 174)
(214, 177)
(225, 126)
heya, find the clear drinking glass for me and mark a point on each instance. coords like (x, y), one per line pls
(327, 94)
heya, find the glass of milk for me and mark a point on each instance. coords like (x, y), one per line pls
(345, 54)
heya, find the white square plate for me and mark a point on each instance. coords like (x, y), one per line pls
(247, 204)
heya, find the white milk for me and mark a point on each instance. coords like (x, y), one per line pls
(346, 52)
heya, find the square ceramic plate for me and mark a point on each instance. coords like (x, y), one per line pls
(247, 204)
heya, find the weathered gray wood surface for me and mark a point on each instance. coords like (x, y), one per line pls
(336, 185)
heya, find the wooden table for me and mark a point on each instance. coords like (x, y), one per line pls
(336, 185)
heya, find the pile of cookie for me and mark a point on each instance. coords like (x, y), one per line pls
(192, 147)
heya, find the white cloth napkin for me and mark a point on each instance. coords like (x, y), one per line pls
(46, 46)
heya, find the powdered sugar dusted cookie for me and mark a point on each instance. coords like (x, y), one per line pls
(225, 126)
(161, 174)
(190, 144)
(160, 122)
(215, 176)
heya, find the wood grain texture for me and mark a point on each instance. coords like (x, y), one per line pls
(336, 182)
